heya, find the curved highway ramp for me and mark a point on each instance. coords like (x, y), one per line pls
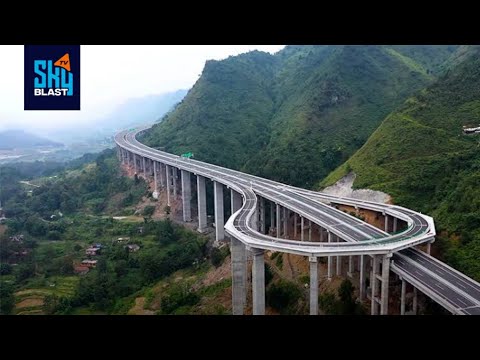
(271, 216)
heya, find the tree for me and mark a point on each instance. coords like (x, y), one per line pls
(148, 211)
(216, 257)
(167, 210)
(24, 271)
(5, 269)
(7, 301)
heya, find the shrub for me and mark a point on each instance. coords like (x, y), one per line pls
(283, 296)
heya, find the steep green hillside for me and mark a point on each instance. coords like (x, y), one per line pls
(269, 114)
(420, 156)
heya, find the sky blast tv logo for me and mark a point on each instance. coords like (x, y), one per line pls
(52, 77)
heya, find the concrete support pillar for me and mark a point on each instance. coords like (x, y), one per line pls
(285, 222)
(313, 286)
(362, 277)
(186, 196)
(255, 217)
(168, 175)
(235, 200)
(339, 262)
(272, 215)
(415, 301)
(402, 297)
(144, 168)
(239, 266)
(135, 162)
(162, 175)
(374, 285)
(295, 225)
(262, 215)
(155, 183)
(302, 228)
(386, 222)
(202, 204)
(219, 218)
(321, 233)
(329, 265)
(395, 221)
(309, 230)
(429, 247)
(278, 221)
(174, 176)
(385, 284)
(258, 282)
(350, 267)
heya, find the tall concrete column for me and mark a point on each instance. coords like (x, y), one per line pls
(309, 230)
(385, 284)
(202, 204)
(329, 266)
(155, 183)
(278, 221)
(395, 221)
(302, 228)
(429, 247)
(235, 200)
(258, 282)
(339, 261)
(415, 301)
(321, 233)
(386, 222)
(402, 298)
(219, 218)
(162, 175)
(313, 286)
(174, 176)
(350, 267)
(144, 168)
(272, 215)
(186, 196)
(262, 215)
(135, 162)
(239, 266)
(374, 285)
(362, 277)
(285, 222)
(295, 225)
(167, 173)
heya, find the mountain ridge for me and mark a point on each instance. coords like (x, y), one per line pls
(248, 112)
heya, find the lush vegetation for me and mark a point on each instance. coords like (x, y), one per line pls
(267, 114)
(342, 304)
(65, 214)
(420, 156)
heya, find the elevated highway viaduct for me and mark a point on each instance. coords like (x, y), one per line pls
(263, 213)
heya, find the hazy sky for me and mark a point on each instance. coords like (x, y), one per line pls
(109, 75)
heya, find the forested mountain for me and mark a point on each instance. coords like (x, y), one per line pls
(421, 157)
(271, 114)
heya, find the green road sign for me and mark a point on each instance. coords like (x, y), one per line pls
(187, 155)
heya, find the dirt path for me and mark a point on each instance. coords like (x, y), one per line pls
(138, 308)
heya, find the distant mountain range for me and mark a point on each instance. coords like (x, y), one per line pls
(141, 110)
(132, 112)
(19, 139)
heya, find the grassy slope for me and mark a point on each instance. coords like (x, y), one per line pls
(420, 157)
(266, 114)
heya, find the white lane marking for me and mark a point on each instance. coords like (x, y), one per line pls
(439, 286)
(418, 273)
(462, 286)
(463, 302)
